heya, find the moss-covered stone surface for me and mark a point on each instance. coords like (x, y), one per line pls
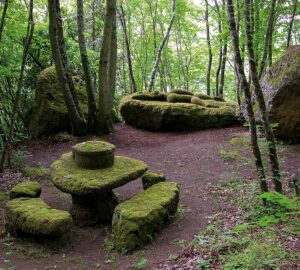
(69, 178)
(179, 98)
(35, 217)
(151, 178)
(49, 114)
(160, 115)
(137, 221)
(26, 189)
(281, 87)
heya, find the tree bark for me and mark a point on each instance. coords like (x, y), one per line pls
(245, 86)
(27, 44)
(107, 70)
(92, 110)
(220, 48)
(160, 48)
(268, 40)
(128, 53)
(208, 91)
(292, 23)
(61, 66)
(3, 18)
(261, 102)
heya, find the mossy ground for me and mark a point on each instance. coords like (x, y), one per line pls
(36, 172)
(151, 178)
(26, 189)
(35, 217)
(136, 221)
(69, 178)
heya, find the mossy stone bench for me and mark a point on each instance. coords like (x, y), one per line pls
(30, 189)
(136, 221)
(33, 216)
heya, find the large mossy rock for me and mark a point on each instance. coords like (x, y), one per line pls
(49, 114)
(33, 216)
(281, 87)
(72, 179)
(161, 115)
(138, 220)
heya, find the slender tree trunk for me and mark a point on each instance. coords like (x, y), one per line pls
(92, 110)
(27, 44)
(61, 66)
(208, 91)
(223, 68)
(107, 70)
(160, 48)
(247, 93)
(268, 39)
(261, 102)
(220, 49)
(3, 18)
(292, 23)
(128, 53)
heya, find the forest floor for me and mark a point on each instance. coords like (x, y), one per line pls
(196, 160)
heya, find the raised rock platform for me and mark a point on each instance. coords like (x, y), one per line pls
(33, 216)
(152, 113)
(138, 220)
(30, 189)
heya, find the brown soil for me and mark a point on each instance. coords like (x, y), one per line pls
(190, 158)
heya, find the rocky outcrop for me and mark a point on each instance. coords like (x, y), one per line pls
(49, 114)
(281, 87)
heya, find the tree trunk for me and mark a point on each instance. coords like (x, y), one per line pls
(27, 44)
(220, 49)
(245, 86)
(160, 48)
(3, 18)
(268, 40)
(61, 66)
(261, 102)
(92, 110)
(208, 91)
(107, 70)
(128, 53)
(291, 23)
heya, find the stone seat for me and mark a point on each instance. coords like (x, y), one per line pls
(34, 217)
(138, 220)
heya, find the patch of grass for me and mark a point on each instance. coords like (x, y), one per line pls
(36, 172)
(140, 264)
(3, 196)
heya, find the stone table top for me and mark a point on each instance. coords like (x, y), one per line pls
(69, 178)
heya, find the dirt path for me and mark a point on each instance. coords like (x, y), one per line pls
(192, 159)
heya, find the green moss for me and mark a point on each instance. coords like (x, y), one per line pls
(69, 178)
(158, 96)
(197, 101)
(181, 92)
(151, 178)
(26, 189)
(138, 220)
(203, 96)
(94, 147)
(3, 196)
(36, 172)
(155, 115)
(62, 137)
(49, 114)
(176, 98)
(35, 217)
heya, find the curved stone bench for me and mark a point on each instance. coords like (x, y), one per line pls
(136, 221)
(33, 216)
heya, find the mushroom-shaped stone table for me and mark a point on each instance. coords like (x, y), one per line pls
(89, 173)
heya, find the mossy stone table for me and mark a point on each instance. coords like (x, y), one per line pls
(93, 200)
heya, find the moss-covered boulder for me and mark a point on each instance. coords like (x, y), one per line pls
(33, 216)
(49, 114)
(198, 101)
(151, 178)
(159, 115)
(94, 154)
(181, 92)
(72, 179)
(26, 189)
(138, 220)
(281, 87)
(158, 96)
(203, 96)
